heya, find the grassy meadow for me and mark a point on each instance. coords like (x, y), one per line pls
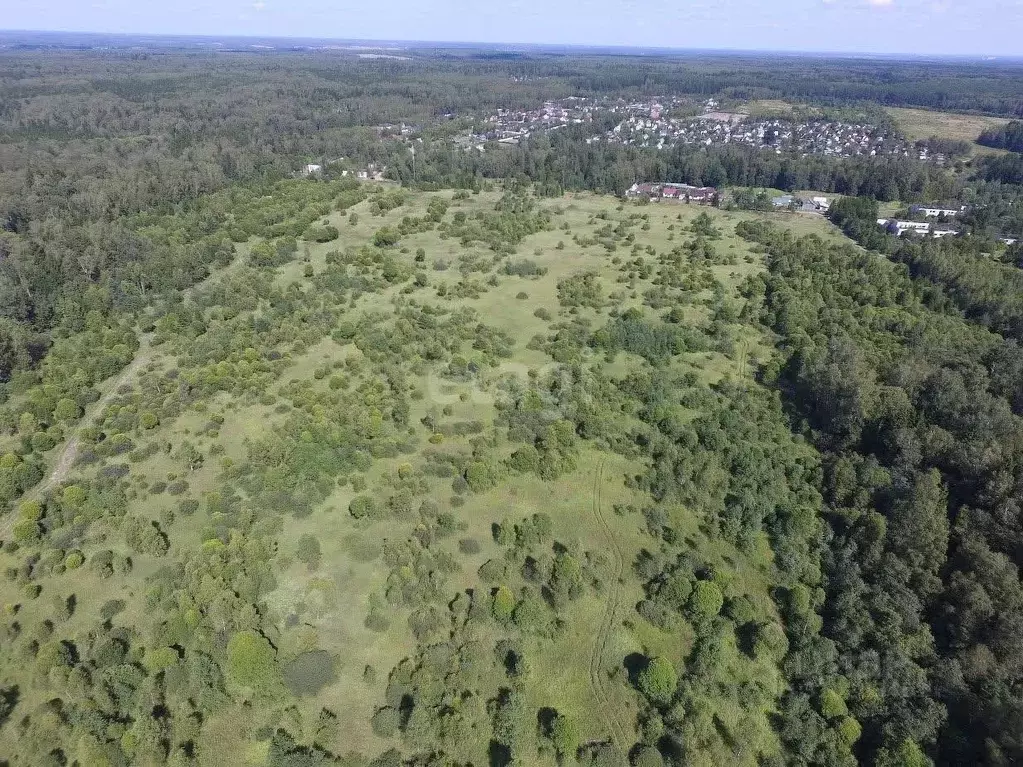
(331, 579)
(924, 123)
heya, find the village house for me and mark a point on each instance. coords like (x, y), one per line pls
(813, 205)
(665, 122)
(672, 191)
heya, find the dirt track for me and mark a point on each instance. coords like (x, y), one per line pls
(69, 452)
(598, 680)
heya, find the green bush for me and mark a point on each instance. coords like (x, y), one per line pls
(42, 441)
(362, 506)
(309, 672)
(503, 605)
(74, 560)
(658, 680)
(308, 551)
(385, 722)
(321, 233)
(252, 663)
(386, 238)
(469, 546)
(705, 602)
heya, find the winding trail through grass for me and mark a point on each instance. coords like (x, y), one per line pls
(598, 680)
(69, 452)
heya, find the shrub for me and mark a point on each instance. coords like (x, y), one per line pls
(252, 662)
(180, 487)
(115, 471)
(385, 722)
(321, 233)
(469, 546)
(771, 640)
(647, 756)
(493, 570)
(188, 506)
(26, 530)
(308, 551)
(658, 680)
(309, 672)
(503, 605)
(386, 238)
(706, 600)
(377, 621)
(565, 737)
(362, 506)
(74, 560)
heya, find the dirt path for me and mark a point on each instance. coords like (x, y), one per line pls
(69, 453)
(598, 679)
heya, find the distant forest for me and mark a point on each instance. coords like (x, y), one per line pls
(1008, 137)
(90, 137)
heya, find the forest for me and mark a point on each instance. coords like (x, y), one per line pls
(479, 462)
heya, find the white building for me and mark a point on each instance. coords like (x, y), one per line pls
(901, 227)
(920, 227)
(311, 169)
(929, 212)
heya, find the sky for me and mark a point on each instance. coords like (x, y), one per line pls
(949, 27)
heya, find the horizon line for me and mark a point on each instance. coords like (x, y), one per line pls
(439, 44)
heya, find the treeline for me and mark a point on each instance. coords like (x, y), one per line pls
(1008, 136)
(984, 87)
(987, 290)
(564, 161)
(912, 408)
(127, 133)
(1005, 169)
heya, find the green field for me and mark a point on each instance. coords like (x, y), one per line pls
(212, 494)
(924, 123)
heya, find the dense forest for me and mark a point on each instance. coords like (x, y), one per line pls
(1009, 137)
(925, 531)
(479, 463)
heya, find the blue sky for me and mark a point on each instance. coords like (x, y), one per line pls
(974, 27)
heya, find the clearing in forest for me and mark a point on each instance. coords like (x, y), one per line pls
(408, 456)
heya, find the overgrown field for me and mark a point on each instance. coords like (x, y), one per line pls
(470, 478)
(924, 124)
